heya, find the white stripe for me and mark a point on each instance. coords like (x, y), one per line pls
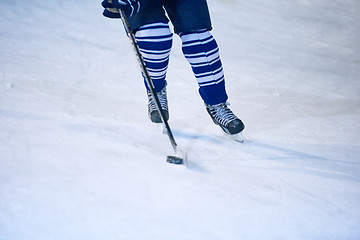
(157, 75)
(154, 32)
(161, 24)
(195, 36)
(219, 70)
(154, 40)
(203, 59)
(206, 63)
(211, 83)
(155, 56)
(158, 69)
(210, 78)
(198, 43)
(138, 9)
(154, 61)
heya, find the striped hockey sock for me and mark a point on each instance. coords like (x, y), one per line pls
(155, 42)
(202, 52)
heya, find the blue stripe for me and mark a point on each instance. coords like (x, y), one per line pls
(204, 47)
(209, 73)
(155, 45)
(197, 55)
(207, 68)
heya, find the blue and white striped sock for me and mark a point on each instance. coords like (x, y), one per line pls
(155, 42)
(202, 52)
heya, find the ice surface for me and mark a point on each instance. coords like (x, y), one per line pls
(79, 158)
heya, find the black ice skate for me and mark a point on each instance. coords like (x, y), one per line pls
(154, 114)
(225, 118)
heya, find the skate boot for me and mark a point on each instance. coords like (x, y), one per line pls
(154, 114)
(225, 118)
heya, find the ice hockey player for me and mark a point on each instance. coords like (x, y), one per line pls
(191, 21)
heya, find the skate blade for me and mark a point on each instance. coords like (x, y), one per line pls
(236, 137)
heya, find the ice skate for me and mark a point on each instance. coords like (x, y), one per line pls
(154, 114)
(226, 119)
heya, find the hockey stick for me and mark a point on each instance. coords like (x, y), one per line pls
(181, 155)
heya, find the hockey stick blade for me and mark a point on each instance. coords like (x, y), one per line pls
(180, 159)
(174, 160)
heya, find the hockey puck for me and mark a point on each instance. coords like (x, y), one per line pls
(174, 160)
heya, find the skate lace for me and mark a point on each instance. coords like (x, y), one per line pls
(221, 113)
(162, 99)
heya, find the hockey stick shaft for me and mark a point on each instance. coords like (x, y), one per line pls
(148, 79)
